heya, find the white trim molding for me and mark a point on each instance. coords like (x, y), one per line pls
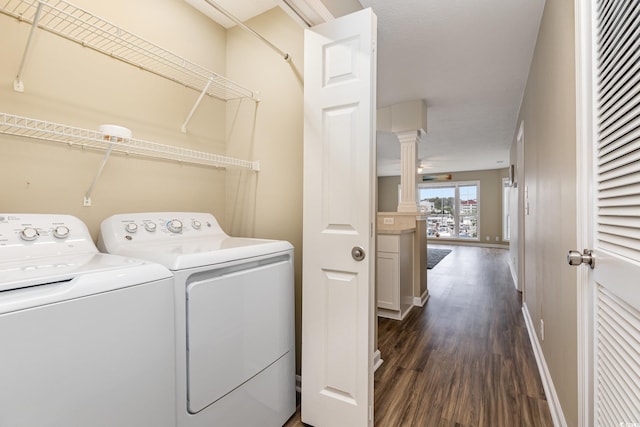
(306, 12)
(514, 274)
(585, 54)
(421, 300)
(377, 360)
(436, 241)
(549, 390)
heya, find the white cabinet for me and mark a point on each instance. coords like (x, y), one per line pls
(394, 273)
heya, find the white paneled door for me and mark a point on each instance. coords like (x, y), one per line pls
(338, 222)
(609, 118)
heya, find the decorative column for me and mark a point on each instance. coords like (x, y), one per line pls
(408, 121)
(409, 141)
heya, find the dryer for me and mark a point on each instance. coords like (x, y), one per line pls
(87, 339)
(234, 315)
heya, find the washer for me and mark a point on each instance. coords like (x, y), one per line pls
(87, 339)
(234, 315)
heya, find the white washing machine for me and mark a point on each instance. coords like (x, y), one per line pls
(234, 315)
(86, 339)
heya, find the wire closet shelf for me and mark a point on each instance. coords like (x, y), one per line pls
(82, 27)
(84, 138)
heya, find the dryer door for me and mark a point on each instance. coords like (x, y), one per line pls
(239, 321)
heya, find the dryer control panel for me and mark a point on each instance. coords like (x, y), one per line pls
(158, 227)
(180, 240)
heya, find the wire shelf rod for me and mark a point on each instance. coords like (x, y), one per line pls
(80, 26)
(43, 130)
(250, 30)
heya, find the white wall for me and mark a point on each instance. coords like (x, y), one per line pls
(548, 111)
(268, 204)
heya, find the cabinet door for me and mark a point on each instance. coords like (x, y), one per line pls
(388, 280)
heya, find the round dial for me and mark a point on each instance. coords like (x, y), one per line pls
(61, 232)
(131, 227)
(196, 224)
(29, 234)
(150, 226)
(175, 226)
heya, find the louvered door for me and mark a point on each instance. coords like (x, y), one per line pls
(616, 277)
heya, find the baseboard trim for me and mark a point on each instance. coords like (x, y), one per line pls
(396, 314)
(514, 276)
(377, 360)
(432, 241)
(549, 389)
(421, 300)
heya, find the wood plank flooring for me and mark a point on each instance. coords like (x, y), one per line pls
(465, 358)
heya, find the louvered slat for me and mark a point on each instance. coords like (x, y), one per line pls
(619, 221)
(618, 127)
(629, 148)
(615, 61)
(617, 324)
(618, 338)
(614, 192)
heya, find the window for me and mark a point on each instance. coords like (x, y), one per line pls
(453, 209)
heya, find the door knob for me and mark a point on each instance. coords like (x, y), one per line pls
(577, 258)
(357, 253)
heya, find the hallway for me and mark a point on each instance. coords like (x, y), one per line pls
(465, 359)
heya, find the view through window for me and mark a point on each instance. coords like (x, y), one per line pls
(453, 209)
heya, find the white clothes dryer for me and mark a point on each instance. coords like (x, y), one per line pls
(86, 339)
(234, 315)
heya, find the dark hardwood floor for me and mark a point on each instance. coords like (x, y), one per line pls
(464, 359)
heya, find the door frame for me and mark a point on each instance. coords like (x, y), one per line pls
(521, 210)
(584, 24)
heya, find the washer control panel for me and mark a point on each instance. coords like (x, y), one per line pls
(36, 235)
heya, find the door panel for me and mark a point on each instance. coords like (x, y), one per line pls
(339, 209)
(338, 148)
(341, 336)
(611, 90)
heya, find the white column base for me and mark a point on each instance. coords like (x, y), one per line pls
(408, 207)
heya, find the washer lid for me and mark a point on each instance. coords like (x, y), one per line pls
(120, 271)
(183, 254)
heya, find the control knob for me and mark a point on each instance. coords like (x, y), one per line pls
(175, 226)
(61, 232)
(29, 233)
(150, 226)
(196, 224)
(131, 227)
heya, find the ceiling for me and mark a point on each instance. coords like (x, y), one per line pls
(468, 60)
